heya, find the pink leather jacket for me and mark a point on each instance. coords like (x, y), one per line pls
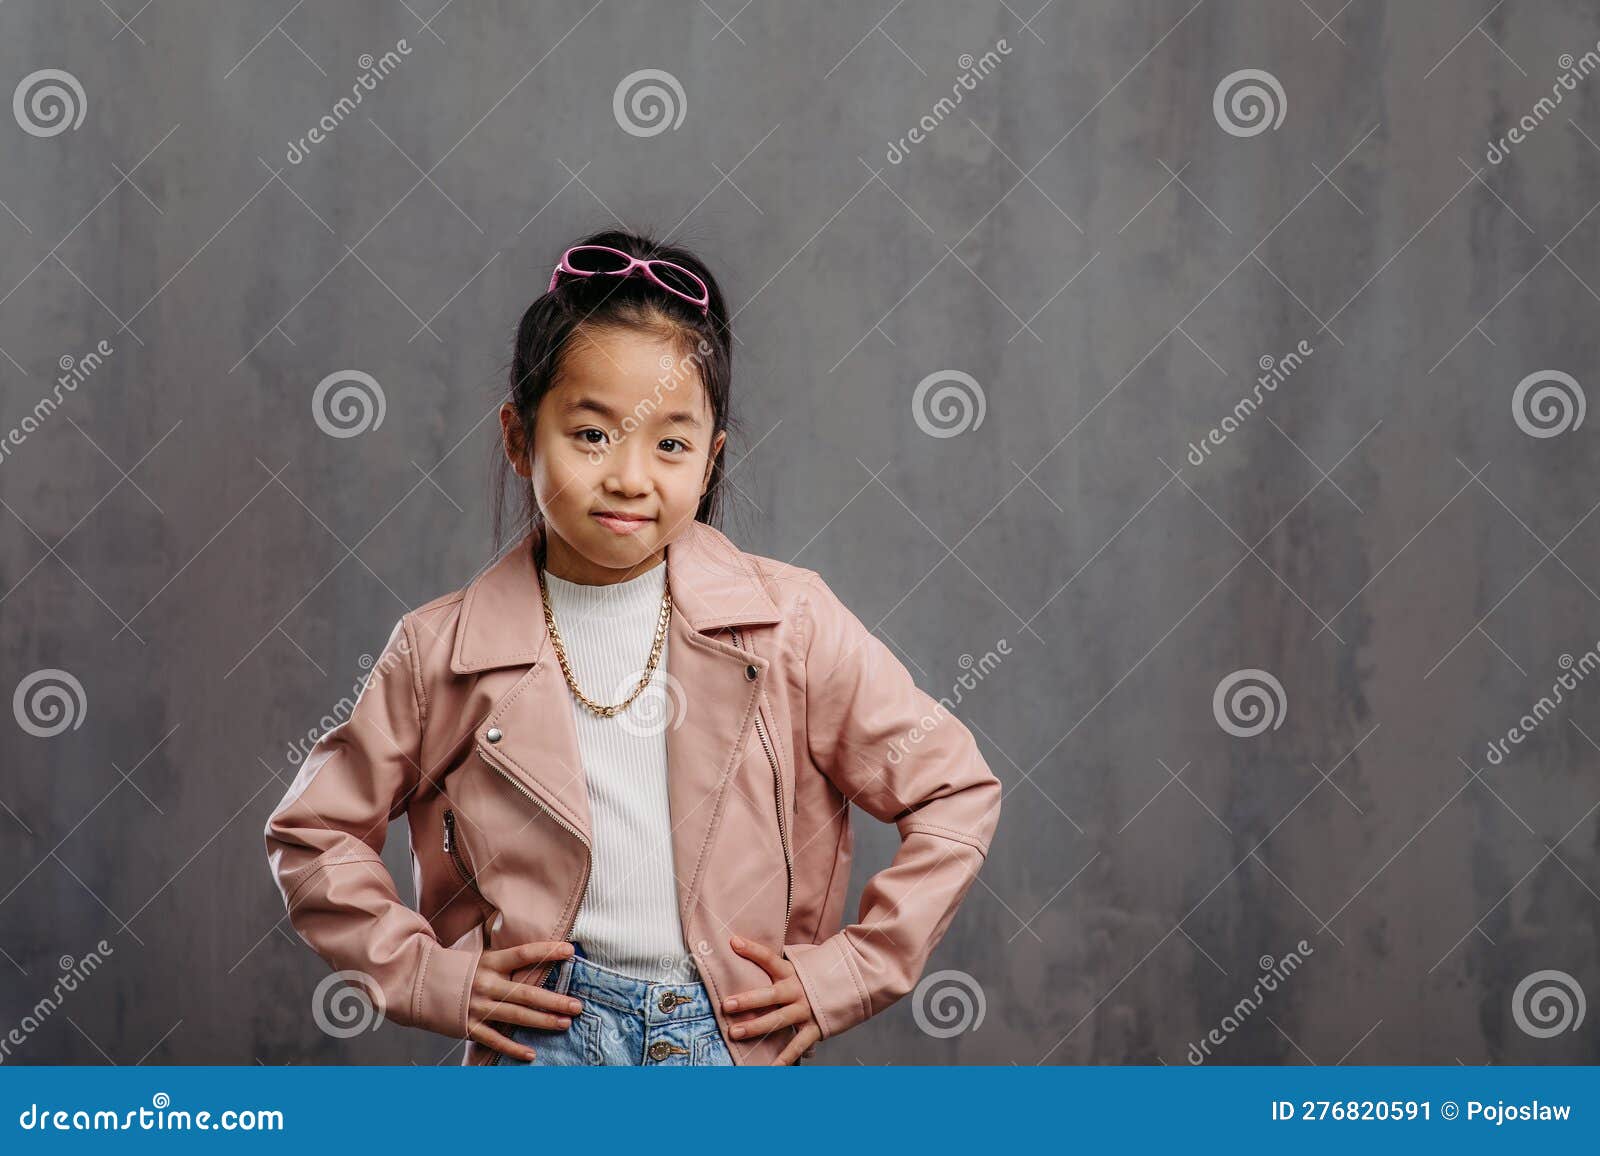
(790, 710)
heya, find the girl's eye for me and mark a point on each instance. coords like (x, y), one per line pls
(674, 441)
(584, 434)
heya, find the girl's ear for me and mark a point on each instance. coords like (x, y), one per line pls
(511, 436)
(711, 458)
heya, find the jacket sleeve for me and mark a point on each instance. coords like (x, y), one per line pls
(898, 754)
(324, 844)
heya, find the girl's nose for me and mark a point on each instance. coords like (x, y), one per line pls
(630, 472)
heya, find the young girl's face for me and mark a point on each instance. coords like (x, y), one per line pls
(622, 451)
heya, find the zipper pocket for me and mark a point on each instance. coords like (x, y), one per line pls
(452, 848)
(777, 789)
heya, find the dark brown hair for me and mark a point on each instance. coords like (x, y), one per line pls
(597, 303)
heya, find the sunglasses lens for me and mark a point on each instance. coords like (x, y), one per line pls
(593, 259)
(679, 279)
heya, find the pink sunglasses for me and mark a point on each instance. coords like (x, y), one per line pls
(595, 260)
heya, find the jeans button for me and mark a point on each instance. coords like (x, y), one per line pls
(660, 1050)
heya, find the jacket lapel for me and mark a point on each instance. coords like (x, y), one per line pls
(708, 724)
(711, 699)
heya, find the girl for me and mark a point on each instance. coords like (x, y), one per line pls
(626, 751)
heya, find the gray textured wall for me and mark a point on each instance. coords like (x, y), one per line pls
(1083, 234)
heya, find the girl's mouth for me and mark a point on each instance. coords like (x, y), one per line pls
(622, 524)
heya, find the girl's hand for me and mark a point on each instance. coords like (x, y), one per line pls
(496, 997)
(786, 996)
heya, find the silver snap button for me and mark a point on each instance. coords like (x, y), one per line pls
(750, 672)
(493, 734)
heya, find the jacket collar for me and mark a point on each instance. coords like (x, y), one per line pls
(713, 584)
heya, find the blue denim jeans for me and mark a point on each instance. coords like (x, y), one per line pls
(625, 1021)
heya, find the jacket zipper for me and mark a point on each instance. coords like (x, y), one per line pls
(783, 836)
(452, 848)
(587, 859)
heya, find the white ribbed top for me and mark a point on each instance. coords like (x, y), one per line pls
(629, 918)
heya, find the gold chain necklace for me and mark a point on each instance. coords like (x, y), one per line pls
(566, 669)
